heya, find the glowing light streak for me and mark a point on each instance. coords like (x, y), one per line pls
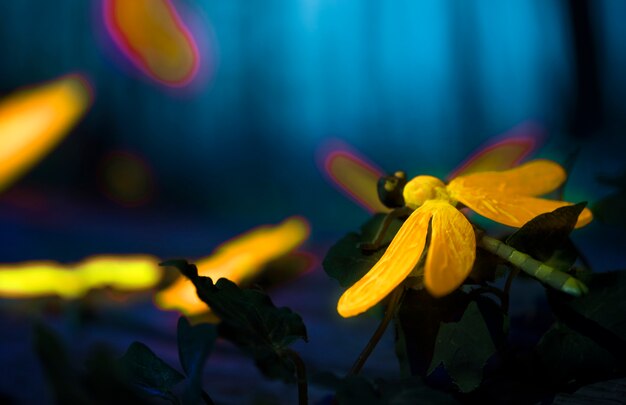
(33, 121)
(48, 278)
(153, 37)
(238, 260)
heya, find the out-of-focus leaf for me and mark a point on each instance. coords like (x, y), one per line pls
(610, 209)
(284, 269)
(251, 321)
(566, 355)
(603, 393)
(600, 314)
(543, 235)
(56, 364)
(463, 348)
(346, 262)
(195, 344)
(149, 372)
(357, 390)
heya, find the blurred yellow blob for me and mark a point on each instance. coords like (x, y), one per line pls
(237, 260)
(48, 278)
(33, 121)
(152, 36)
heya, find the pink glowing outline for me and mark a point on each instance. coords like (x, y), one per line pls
(334, 148)
(133, 55)
(527, 134)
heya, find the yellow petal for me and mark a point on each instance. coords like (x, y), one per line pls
(394, 266)
(531, 179)
(451, 252)
(238, 260)
(33, 121)
(510, 209)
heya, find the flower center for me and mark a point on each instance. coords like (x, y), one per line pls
(423, 188)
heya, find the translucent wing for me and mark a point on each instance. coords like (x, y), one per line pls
(152, 35)
(502, 154)
(451, 252)
(508, 209)
(534, 178)
(353, 175)
(394, 266)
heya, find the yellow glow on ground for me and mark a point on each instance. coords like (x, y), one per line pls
(237, 260)
(47, 278)
(33, 121)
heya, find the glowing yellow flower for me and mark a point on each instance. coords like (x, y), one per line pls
(507, 197)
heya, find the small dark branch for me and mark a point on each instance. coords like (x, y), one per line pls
(487, 289)
(206, 398)
(303, 388)
(380, 234)
(394, 299)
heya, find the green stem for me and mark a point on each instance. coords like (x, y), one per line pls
(303, 388)
(394, 299)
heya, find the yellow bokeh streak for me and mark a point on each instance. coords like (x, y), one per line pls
(48, 278)
(33, 121)
(237, 260)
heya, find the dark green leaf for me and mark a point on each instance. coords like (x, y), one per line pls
(346, 262)
(148, 371)
(194, 347)
(56, 364)
(566, 355)
(463, 348)
(600, 314)
(251, 321)
(605, 392)
(358, 390)
(611, 209)
(543, 235)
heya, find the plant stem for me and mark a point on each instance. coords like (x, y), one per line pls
(394, 299)
(300, 376)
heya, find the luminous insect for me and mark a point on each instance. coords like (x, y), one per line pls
(507, 197)
(152, 36)
(34, 120)
(240, 260)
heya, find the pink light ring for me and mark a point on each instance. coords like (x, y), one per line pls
(133, 56)
(529, 134)
(334, 148)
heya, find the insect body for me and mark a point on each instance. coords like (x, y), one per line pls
(430, 207)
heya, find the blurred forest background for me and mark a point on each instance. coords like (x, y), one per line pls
(415, 85)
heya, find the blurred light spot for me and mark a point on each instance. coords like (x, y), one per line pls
(34, 120)
(47, 278)
(352, 174)
(126, 179)
(151, 34)
(503, 152)
(238, 260)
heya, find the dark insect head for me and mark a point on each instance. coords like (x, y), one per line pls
(390, 189)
